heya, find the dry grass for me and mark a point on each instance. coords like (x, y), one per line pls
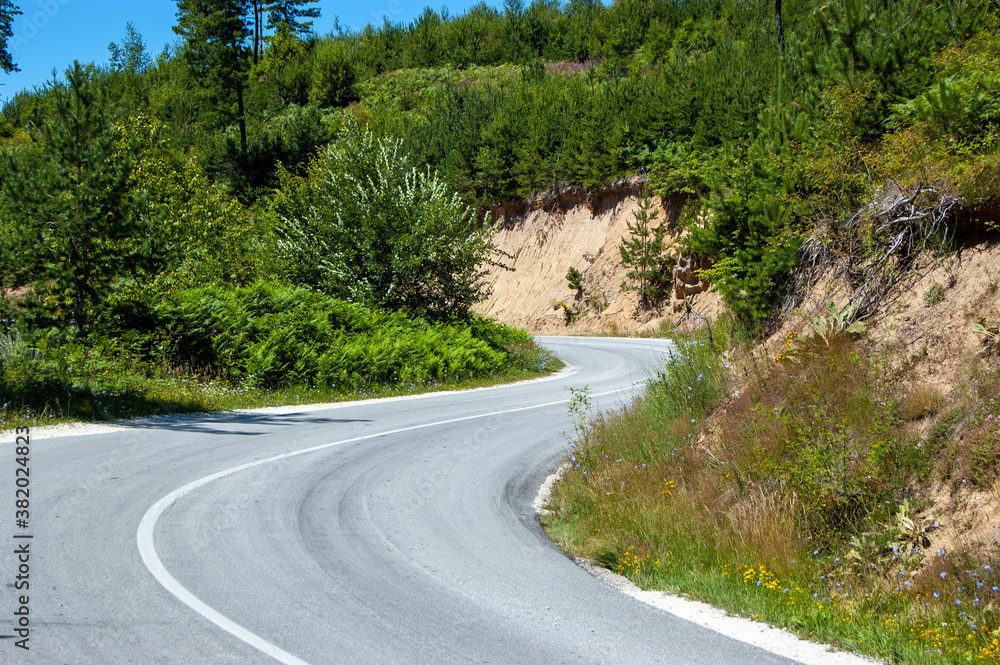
(920, 402)
(803, 500)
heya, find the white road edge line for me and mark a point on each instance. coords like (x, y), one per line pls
(147, 549)
(761, 635)
(50, 432)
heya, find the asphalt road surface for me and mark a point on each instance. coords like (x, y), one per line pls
(394, 531)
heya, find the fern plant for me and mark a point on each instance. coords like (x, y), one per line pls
(275, 335)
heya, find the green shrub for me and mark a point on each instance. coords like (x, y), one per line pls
(681, 168)
(18, 363)
(940, 432)
(934, 295)
(748, 227)
(271, 335)
(575, 279)
(365, 225)
(333, 76)
(984, 447)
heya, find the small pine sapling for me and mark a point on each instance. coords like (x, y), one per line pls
(645, 255)
(575, 279)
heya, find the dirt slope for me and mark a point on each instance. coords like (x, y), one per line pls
(573, 230)
(925, 337)
(924, 331)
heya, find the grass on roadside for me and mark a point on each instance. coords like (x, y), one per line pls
(113, 396)
(801, 501)
(118, 397)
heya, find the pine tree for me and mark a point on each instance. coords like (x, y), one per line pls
(131, 55)
(215, 47)
(288, 14)
(126, 83)
(644, 253)
(67, 203)
(281, 15)
(8, 10)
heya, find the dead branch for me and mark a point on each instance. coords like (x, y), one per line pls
(875, 248)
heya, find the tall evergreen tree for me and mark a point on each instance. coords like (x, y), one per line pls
(215, 36)
(127, 84)
(66, 200)
(8, 10)
(289, 14)
(130, 55)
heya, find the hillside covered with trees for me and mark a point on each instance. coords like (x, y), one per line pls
(703, 97)
(147, 270)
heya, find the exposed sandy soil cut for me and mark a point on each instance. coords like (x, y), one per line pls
(548, 238)
(927, 323)
(925, 338)
(924, 331)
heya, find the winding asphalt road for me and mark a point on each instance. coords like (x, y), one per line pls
(394, 531)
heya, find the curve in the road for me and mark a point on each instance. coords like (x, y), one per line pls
(147, 526)
(383, 532)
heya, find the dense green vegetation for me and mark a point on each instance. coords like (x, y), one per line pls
(114, 295)
(135, 282)
(225, 347)
(771, 139)
(268, 336)
(261, 214)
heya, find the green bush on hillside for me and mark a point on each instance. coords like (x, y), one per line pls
(366, 225)
(333, 77)
(271, 335)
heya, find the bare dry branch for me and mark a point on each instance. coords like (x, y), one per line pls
(876, 247)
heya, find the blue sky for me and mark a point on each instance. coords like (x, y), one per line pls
(52, 33)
